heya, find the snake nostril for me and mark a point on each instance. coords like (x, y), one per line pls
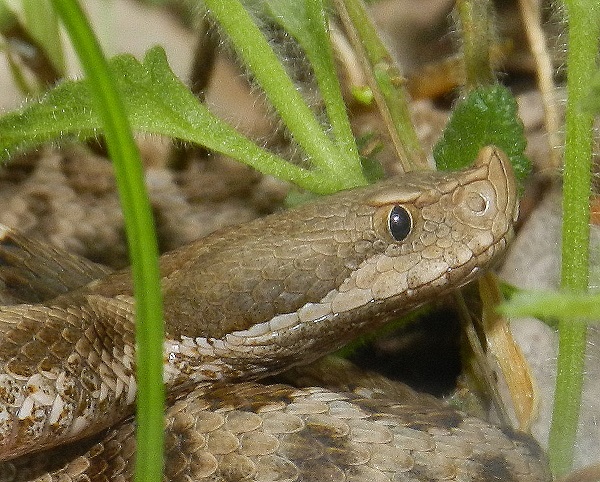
(477, 202)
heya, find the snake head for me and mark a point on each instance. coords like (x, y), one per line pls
(293, 286)
(459, 223)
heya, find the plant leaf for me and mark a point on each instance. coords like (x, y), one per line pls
(42, 22)
(157, 102)
(488, 115)
(307, 22)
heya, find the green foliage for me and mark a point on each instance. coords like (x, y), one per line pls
(327, 155)
(578, 307)
(143, 247)
(591, 101)
(488, 115)
(156, 102)
(385, 79)
(42, 22)
(583, 22)
(307, 23)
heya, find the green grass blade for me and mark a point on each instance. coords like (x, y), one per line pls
(579, 307)
(141, 239)
(253, 48)
(583, 20)
(42, 22)
(386, 81)
(156, 102)
(307, 22)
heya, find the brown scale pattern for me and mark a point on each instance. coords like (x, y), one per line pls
(320, 275)
(253, 432)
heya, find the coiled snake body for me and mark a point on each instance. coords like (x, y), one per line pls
(245, 303)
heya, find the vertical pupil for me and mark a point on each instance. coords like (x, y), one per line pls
(400, 223)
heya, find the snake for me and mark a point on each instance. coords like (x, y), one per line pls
(241, 305)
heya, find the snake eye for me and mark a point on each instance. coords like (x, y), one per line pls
(399, 223)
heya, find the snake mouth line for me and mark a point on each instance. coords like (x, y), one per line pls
(262, 334)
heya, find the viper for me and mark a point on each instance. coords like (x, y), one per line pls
(246, 303)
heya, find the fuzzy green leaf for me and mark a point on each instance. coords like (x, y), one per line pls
(488, 115)
(157, 102)
(306, 21)
(42, 22)
(252, 47)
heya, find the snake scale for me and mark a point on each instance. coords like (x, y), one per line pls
(242, 304)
